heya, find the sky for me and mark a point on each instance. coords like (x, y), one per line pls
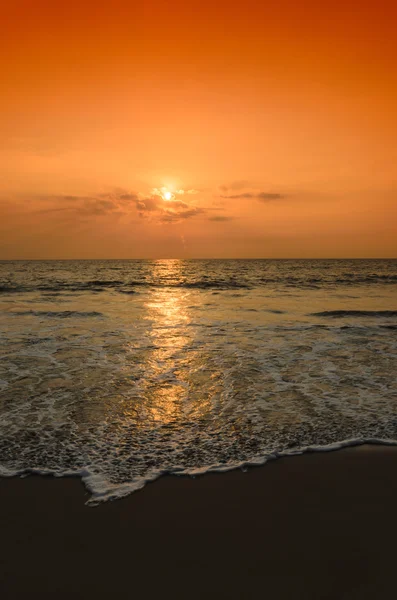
(189, 129)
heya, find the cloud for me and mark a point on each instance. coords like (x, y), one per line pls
(148, 204)
(170, 211)
(116, 202)
(97, 208)
(155, 207)
(245, 190)
(266, 196)
(220, 218)
(235, 185)
(128, 197)
(168, 216)
(182, 192)
(261, 196)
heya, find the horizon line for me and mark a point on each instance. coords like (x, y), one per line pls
(208, 258)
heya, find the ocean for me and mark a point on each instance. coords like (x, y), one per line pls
(118, 371)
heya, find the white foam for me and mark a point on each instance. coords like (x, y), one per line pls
(102, 490)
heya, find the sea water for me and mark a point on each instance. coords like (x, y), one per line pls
(118, 371)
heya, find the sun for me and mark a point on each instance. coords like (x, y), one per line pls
(167, 195)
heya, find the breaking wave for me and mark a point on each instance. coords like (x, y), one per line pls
(219, 275)
(355, 313)
(63, 314)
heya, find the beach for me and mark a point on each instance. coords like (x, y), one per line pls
(316, 526)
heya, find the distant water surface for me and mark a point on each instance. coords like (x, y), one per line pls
(119, 371)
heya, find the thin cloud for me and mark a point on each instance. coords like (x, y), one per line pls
(220, 218)
(169, 216)
(148, 204)
(265, 196)
(116, 203)
(103, 204)
(235, 185)
(262, 196)
(128, 197)
(156, 207)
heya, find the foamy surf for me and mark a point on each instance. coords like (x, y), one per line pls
(103, 491)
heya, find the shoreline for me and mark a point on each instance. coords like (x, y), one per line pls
(311, 526)
(124, 490)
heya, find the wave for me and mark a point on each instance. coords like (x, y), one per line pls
(102, 490)
(64, 314)
(348, 279)
(355, 313)
(195, 280)
(8, 289)
(104, 283)
(214, 284)
(201, 284)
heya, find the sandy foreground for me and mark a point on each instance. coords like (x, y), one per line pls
(321, 525)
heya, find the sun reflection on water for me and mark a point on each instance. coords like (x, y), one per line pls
(168, 313)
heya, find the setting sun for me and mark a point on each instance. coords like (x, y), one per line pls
(167, 195)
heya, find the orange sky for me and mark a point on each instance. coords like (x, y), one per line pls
(277, 121)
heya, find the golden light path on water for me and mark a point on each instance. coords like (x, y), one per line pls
(169, 317)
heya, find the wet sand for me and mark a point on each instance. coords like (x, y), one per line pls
(318, 526)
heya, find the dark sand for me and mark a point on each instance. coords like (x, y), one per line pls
(307, 527)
